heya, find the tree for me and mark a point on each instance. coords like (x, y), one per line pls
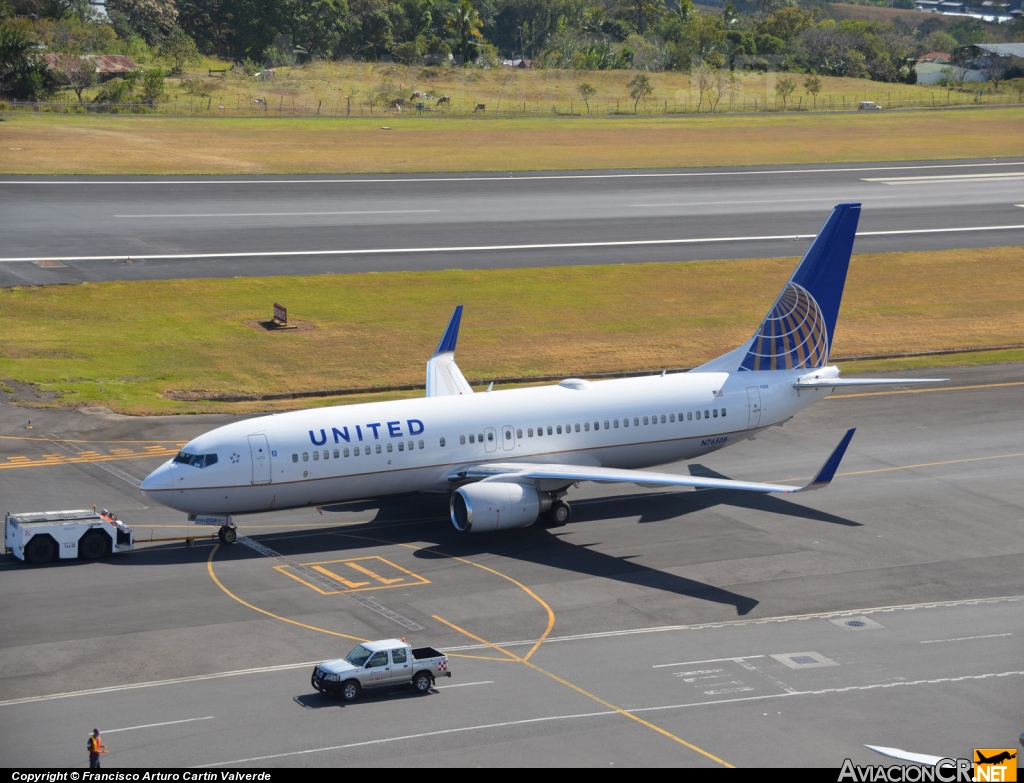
(152, 19)
(639, 88)
(994, 68)
(180, 49)
(153, 85)
(78, 73)
(784, 88)
(703, 78)
(465, 22)
(640, 14)
(586, 91)
(22, 75)
(813, 86)
(961, 62)
(317, 25)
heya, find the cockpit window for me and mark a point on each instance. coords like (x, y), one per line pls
(196, 460)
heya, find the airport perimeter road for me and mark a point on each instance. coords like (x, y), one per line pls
(713, 618)
(58, 230)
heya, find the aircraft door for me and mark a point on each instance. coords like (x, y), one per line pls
(260, 459)
(508, 438)
(490, 439)
(754, 400)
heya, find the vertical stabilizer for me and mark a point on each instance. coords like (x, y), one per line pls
(797, 332)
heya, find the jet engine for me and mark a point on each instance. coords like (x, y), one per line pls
(496, 505)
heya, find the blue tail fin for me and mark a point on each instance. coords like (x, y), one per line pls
(797, 332)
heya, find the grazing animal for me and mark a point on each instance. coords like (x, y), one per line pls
(266, 75)
(444, 99)
(480, 107)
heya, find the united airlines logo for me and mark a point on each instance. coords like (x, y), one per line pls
(373, 431)
(793, 336)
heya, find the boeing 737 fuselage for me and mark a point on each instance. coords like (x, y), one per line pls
(509, 457)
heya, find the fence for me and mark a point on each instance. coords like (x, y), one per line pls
(698, 104)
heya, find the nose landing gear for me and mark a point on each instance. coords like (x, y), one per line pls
(227, 534)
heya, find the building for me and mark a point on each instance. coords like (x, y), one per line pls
(108, 66)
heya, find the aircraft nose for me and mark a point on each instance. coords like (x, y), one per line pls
(159, 479)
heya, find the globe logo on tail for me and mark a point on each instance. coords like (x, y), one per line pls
(793, 335)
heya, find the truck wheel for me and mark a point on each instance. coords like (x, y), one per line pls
(92, 546)
(39, 550)
(350, 690)
(422, 682)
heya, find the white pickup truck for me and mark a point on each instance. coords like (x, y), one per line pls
(380, 664)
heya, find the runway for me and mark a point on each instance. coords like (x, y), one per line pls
(64, 230)
(658, 628)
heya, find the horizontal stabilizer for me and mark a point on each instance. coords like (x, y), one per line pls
(529, 472)
(829, 383)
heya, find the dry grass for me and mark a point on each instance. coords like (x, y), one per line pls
(375, 329)
(50, 144)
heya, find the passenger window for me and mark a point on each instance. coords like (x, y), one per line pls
(625, 422)
(401, 446)
(615, 423)
(508, 434)
(480, 437)
(530, 432)
(472, 438)
(606, 423)
(698, 415)
(672, 417)
(723, 413)
(378, 448)
(398, 656)
(421, 444)
(705, 414)
(345, 452)
(645, 420)
(389, 448)
(410, 445)
(377, 659)
(462, 440)
(442, 443)
(577, 428)
(327, 453)
(519, 433)
(559, 430)
(305, 456)
(335, 453)
(540, 431)
(715, 413)
(586, 426)
(295, 457)
(689, 416)
(316, 456)
(663, 418)
(356, 451)
(549, 431)
(636, 421)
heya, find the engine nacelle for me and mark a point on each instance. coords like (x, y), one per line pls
(496, 505)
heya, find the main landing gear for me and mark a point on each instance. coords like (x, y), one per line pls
(558, 514)
(227, 534)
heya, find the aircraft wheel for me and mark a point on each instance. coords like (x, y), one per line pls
(227, 535)
(559, 514)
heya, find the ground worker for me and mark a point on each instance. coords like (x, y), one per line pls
(96, 749)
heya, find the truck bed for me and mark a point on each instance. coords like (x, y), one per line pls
(423, 653)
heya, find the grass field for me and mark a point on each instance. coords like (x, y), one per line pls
(124, 345)
(54, 144)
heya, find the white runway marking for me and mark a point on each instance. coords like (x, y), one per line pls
(710, 660)
(491, 248)
(154, 725)
(967, 638)
(527, 721)
(285, 214)
(504, 178)
(949, 178)
(464, 684)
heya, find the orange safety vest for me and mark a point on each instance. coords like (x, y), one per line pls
(95, 743)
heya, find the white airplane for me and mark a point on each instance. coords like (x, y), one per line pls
(509, 457)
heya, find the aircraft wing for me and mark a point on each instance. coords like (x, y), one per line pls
(525, 471)
(443, 375)
(906, 755)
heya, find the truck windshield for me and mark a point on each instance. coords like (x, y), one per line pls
(358, 656)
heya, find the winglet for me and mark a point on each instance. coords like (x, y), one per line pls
(451, 334)
(828, 470)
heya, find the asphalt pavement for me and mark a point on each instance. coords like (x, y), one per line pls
(71, 229)
(677, 628)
